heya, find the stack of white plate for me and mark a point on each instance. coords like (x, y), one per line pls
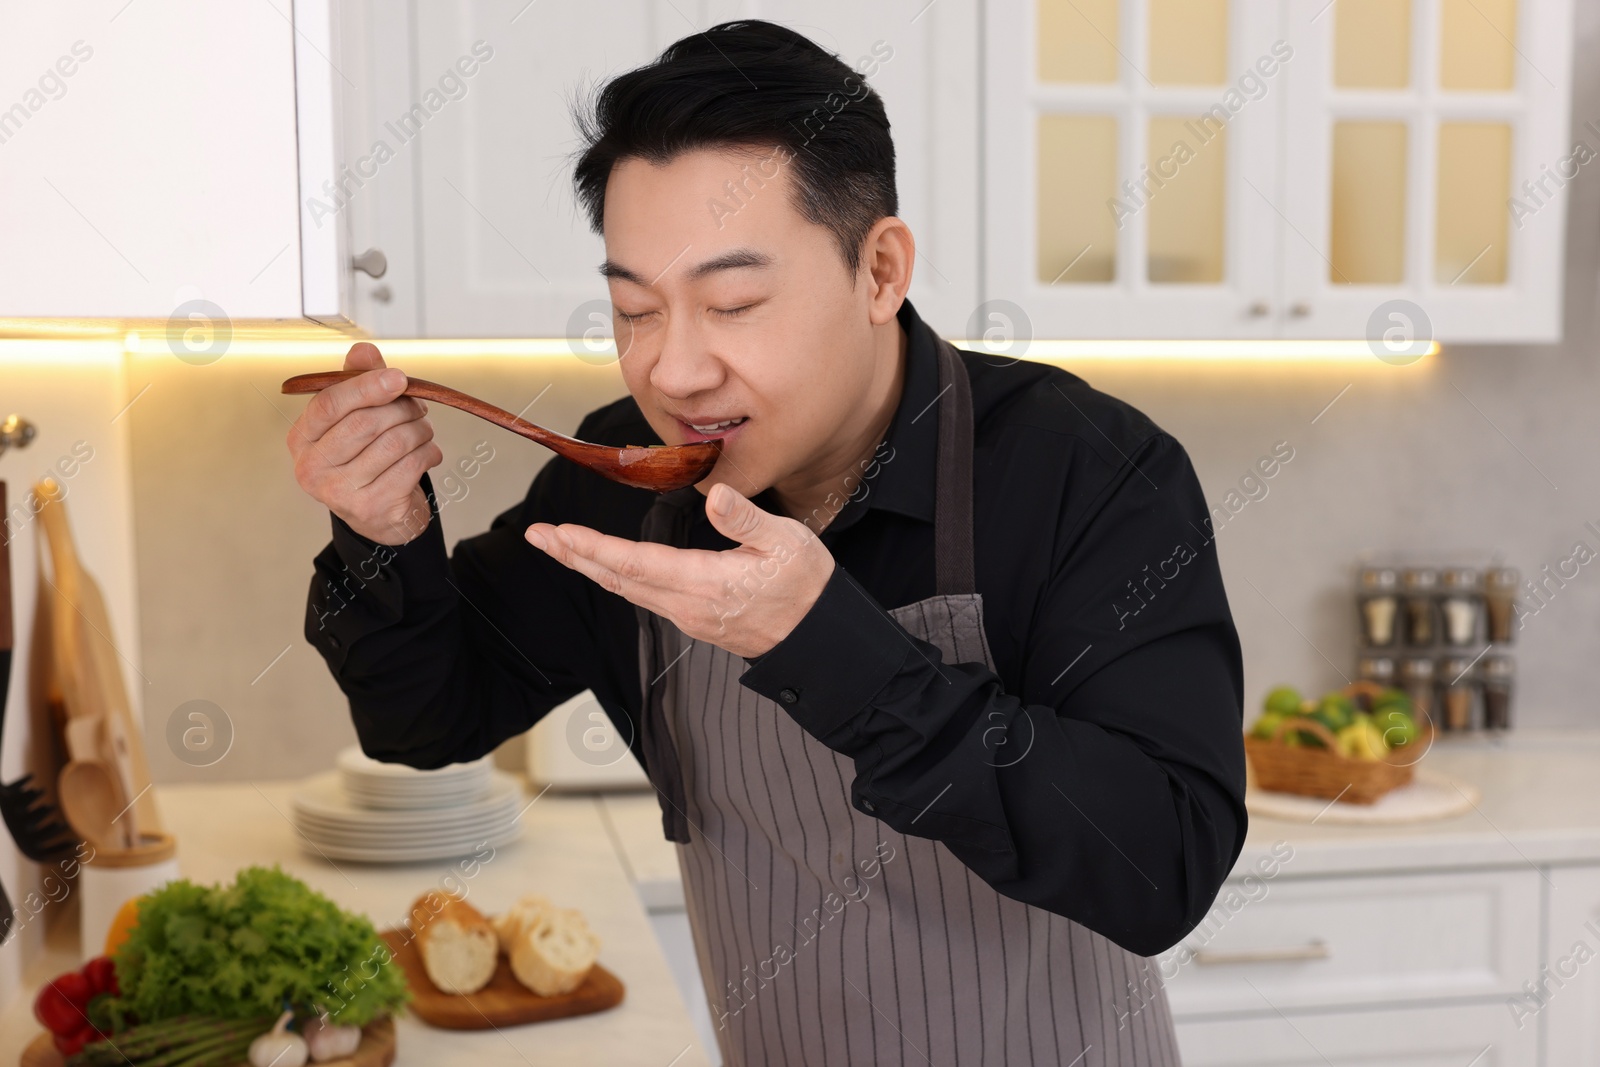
(394, 786)
(387, 813)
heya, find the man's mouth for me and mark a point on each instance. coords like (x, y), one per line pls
(721, 429)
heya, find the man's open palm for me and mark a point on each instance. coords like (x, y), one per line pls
(745, 599)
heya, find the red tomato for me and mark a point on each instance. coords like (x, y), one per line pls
(102, 975)
(60, 1006)
(70, 1044)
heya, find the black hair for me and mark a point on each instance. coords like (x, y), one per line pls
(751, 84)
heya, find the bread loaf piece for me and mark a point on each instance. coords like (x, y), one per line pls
(551, 949)
(509, 923)
(458, 945)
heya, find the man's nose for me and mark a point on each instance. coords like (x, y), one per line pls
(685, 365)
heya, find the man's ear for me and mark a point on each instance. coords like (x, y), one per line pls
(888, 255)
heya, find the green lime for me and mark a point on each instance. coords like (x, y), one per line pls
(1394, 698)
(1397, 727)
(1285, 700)
(1335, 711)
(1266, 724)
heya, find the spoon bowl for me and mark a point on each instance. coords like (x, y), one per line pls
(661, 468)
(90, 798)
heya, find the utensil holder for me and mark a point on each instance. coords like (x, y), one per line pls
(111, 876)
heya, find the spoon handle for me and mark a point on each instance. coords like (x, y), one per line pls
(659, 468)
(443, 394)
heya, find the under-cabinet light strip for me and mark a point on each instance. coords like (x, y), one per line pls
(1119, 350)
(147, 347)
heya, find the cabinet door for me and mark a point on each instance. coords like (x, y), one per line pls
(505, 249)
(1566, 994)
(927, 73)
(1130, 165)
(1317, 943)
(147, 160)
(1427, 155)
(320, 100)
(1476, 1035)
(375, 204)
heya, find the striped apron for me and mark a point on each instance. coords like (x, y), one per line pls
(825, 937)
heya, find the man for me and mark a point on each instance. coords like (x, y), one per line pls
(934, 673)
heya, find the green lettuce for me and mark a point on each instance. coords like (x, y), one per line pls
(245, 949)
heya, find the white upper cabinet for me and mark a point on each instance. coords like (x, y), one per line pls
(156, 160)
(1113, 168)
(503, 247)
(505, 251)
(1423, 162)
(1277, 168)
(1130, 160)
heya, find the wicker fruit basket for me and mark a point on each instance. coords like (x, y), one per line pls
(1325, 772)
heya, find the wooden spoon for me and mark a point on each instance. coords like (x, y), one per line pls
(658, 467)
(90, 794)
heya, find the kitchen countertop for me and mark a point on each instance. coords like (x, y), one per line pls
(1540, 805)
(650, 859)
(565, 852)
(605, 854)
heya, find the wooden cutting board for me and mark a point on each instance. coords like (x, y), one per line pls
(503, 1002)
(376, 1049)
(88, 665)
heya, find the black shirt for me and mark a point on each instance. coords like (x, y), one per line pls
(1097, 774)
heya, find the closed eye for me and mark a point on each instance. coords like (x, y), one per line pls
(625, 317)
(729, 313)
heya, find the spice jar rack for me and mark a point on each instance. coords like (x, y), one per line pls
(1445, 636)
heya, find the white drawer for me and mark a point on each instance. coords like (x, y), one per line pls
(1482, 1035)
(1322, 942)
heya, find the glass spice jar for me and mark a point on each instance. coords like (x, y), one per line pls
(1416, 678)
(1500, 601)
(1460, 607)
(1377, 669)
(1498, 672)
(1421, 586)
(1458, 692)
(1379, 606)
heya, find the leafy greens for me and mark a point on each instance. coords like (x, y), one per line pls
(242, 950)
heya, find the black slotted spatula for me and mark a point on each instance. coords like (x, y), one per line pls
(35, 824)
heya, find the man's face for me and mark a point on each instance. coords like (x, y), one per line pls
(736, 309)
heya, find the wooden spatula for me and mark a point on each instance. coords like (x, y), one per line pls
(88, 665)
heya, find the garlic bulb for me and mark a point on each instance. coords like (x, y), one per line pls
(278, 1047)
(328, 1040)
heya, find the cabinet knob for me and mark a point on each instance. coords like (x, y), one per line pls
(15, 432)
(1259, 310)
(372, 262)
(1300, 310)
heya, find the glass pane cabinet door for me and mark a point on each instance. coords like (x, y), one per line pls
(1130, 162)
(1417, 134)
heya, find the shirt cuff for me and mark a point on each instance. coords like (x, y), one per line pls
(379, 578)
(829, 668)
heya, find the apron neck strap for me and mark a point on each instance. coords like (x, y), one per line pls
(952, 508)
